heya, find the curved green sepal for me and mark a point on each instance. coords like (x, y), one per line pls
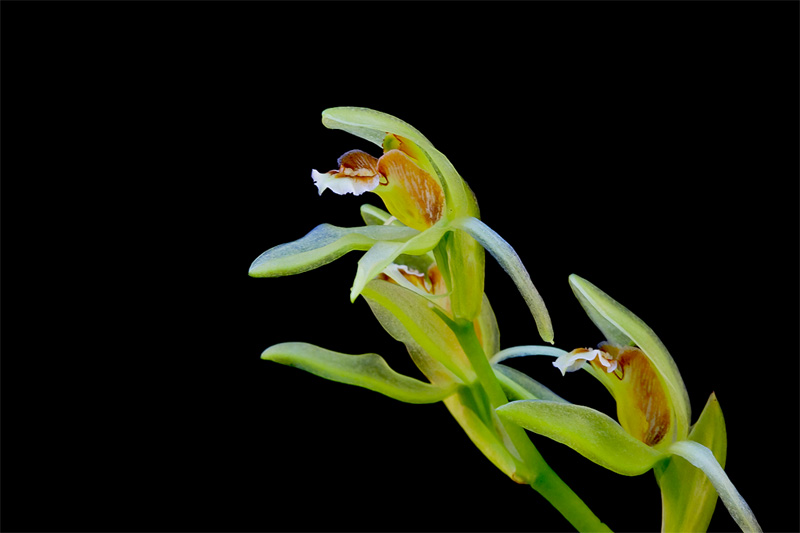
(466, 260)
(322, 245)
(371, 125)
(423, 324)
(591, 433)
(687, 496)
(703, 458)
(622, 327)
(520, 386)
(525, 351)
(512, 264)
(368, 370)
(489, 331)
(383, 253)
(375, 216)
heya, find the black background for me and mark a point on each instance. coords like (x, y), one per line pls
(152, 151)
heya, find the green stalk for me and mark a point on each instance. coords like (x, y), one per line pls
(566, 502)
(533, 469)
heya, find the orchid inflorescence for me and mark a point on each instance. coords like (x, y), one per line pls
(422, 275)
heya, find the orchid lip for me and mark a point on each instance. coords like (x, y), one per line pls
(574, 360)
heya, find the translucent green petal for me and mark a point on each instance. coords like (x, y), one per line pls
(687, 496)
(375, 216)
(467, 263)
(323, 244)
(511, 263)
(428, 330)
(371, 125)
(591, 433)
(704, 459)
(622, 327)
(525, 351)
(368, 370)
(383, 254)
(519, 386)
(489, 331)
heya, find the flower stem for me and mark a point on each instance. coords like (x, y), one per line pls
(532, 468)
(571, 507)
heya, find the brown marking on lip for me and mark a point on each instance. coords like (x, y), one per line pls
(643, 409)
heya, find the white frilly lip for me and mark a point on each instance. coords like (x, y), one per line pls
(356, 185)
(575, 360)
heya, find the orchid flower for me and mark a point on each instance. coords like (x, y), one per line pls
(653, 432)
(434, 209)
(422, 276)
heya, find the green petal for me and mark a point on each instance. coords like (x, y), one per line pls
(375, 216)
(525, 351)
(512, 264)
(622, 327)
(323, 244)
(687, 496)
(520, 386)
(383, 254)
(368, 370)
(591, 433)
(467, 263)
(704, 459)
(490, 332)
(422, 323)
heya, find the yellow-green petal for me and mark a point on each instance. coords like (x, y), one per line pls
(591, 433)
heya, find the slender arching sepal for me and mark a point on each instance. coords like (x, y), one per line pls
(702, 458)
(622, 327)
(687, 496)
(512, 264)
(367, 370)
(323, 244)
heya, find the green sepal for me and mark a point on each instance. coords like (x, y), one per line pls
(466, 260)
(417, 316)
(591, 433)
(384, 253)
(703, 458)
(512, 264)
(375, 216)
(520, 386)
(687, 496)
(367, 370)
(322, 245)
(622, 327)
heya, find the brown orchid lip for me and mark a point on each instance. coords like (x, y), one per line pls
(643, 409)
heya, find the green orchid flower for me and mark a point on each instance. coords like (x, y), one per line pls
(653, 432)
(422, 275)
(434, 210)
